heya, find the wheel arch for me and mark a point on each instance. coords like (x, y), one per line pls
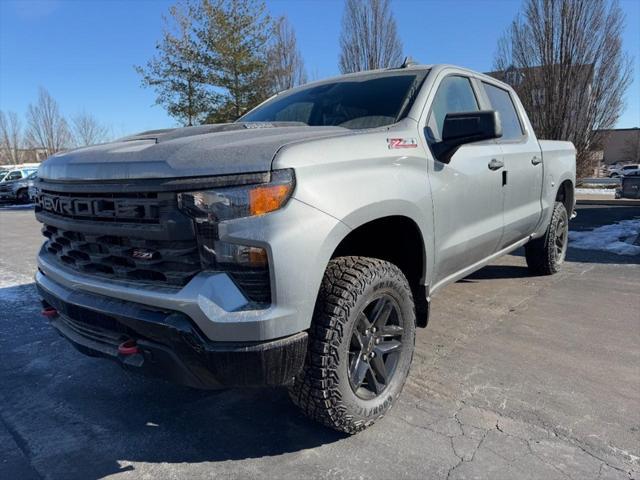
(397, 239)
(566, 195)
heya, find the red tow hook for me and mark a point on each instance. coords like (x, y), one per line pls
(49, 312)
(129, 347)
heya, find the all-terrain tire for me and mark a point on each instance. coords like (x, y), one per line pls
(546, 254)
(324, 390)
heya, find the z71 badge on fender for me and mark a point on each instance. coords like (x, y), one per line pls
(402, 143)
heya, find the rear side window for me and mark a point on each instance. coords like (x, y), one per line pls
(502, 103)
(454, 95)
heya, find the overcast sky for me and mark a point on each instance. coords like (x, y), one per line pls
(83, 52)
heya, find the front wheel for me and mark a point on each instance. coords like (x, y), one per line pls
(546, 254)
(22, 196)
(361, 344)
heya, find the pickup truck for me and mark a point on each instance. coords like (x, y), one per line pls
(15, 185)
(300, 245)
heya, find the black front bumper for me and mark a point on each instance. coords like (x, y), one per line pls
(169, 344)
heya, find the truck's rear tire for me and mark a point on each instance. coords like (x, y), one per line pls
(546, 254)
(361, 344)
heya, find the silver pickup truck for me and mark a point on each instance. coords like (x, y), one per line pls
(300, 245)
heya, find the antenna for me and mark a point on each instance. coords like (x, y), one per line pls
(408, 61)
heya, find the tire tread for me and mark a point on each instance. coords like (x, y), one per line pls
(315, 391)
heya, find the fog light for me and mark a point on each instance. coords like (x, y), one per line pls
(242, 255)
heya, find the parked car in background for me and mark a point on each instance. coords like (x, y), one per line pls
(619, 171)
(18, 173)
(15, 185)
(630, 185)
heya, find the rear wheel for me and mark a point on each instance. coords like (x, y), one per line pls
(546, 254)
(360, 344)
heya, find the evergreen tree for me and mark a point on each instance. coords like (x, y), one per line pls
(234, 35)
(176, 71)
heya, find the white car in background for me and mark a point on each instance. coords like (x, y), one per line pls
(620, 171)
(15, 185)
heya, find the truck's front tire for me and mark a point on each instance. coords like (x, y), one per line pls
(546, 254)
(361, 344)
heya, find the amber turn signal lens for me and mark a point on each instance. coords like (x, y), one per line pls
(267, 198)
(257, 257)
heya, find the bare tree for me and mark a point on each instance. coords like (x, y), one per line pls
(369, 37)
(565, 59)
(284, 58)
(87, 130)
(46, 127)
(11, 139)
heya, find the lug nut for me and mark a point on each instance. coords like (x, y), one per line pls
(365, 358)
(377, 341)
(374, 329)
(372, 354)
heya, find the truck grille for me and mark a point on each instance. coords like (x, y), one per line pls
(120, 207)
(124, 258)
(132, 233)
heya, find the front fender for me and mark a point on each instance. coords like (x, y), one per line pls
(379, 183)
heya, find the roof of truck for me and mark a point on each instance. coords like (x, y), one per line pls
(400, 69)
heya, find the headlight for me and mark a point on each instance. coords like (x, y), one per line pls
(247, 265)
(228, 203)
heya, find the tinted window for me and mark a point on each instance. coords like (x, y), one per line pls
(369, 102)
(502, 103)
(454, 95)
(14, 176)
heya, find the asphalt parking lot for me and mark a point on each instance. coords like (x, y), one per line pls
(515, 377)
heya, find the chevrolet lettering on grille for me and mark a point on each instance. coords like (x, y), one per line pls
(98, 207)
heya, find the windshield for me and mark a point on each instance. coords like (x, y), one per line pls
(361, 102)
(3, 174)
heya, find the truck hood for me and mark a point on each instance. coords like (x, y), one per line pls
(184, 152)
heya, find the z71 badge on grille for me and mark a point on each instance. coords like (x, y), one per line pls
(142, 254)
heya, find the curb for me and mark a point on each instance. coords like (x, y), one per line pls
(621, 202)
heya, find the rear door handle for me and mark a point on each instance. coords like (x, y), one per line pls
(495, 164)
(536, 160)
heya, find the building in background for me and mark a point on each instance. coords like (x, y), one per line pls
(619, 145)
(26, 155)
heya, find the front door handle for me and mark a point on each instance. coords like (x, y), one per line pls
(495, 164)
(536, 160)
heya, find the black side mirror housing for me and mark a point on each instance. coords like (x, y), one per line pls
(466, 127)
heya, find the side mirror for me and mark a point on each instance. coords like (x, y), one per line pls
(466, 127)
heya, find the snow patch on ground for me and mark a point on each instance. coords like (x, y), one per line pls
(617, 238)
(10, 206)
(8, 282)
(596, 191)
